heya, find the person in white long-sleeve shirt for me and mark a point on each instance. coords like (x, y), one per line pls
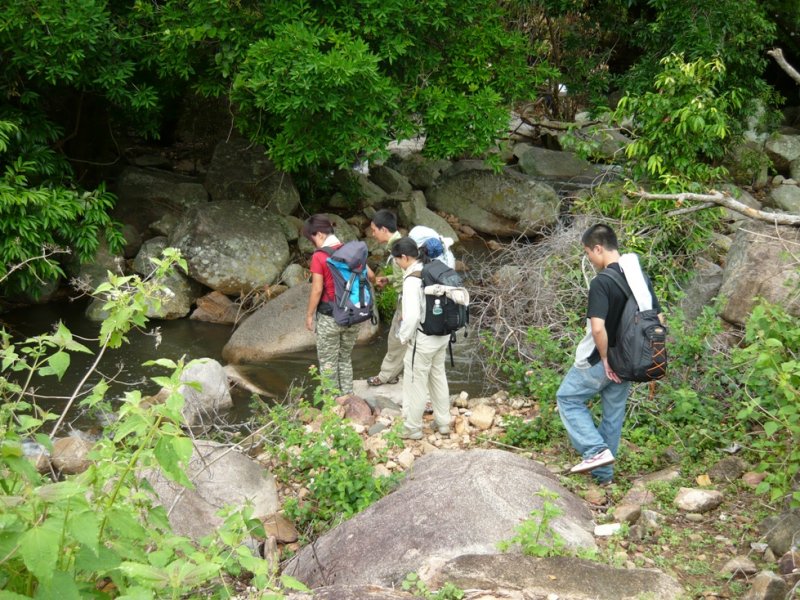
(425, 376)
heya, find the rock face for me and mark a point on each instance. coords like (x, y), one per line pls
(702, 288)
(505, 204)
(278, 328)
(422, 523)
(760, 265)
(565, 578)
(541, 162)
(241, 171)
(147, 195)
(354, 592)
(221, 477)
(232, 247)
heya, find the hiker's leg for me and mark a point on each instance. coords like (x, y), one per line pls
(392, 364)
(328, 349)
(415, 383)
(577, 388)
(614, 398)
(347, 337)
(437, 382)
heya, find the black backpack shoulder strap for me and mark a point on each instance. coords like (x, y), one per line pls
(326, 249)
(620, 280)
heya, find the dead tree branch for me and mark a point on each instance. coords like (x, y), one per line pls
(777, 54)
(726, 200)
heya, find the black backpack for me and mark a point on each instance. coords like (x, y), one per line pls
(353, 298)
(443, 316)
(641, 350)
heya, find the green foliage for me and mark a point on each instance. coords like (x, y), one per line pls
(329, 460)
(769, 374)
(98, 534)
(738, 32)
(536, 535)
(386, 299)
(414, 585)
(682, 126)
(40, 216)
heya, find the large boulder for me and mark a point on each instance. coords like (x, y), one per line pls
(505, 204)
(241, 171)
(421, 172)
(454, 503)
(786, 197)
(413, 210)
(221, 477)
(565, 578)
(353, 592)
(205, 390)
(232, 247)
(759, 265)
(552, 164)
(278, 328)
(147, 195)
(702, 288)
(783, 149)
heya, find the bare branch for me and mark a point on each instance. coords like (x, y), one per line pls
(777, 54)
(728, 201)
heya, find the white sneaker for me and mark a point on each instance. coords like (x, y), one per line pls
(598, 460)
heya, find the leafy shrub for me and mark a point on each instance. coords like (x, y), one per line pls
(536, 535)
(330, 461)
(99, 534)
(768, 370)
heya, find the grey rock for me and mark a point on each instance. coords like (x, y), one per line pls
(147, 195)
(767, 586)
(413, 210)
(277, 328)
(782, 149)
(786, 197)
(728, 469)
(759, 266)
(702, 288)
(698, 500)
(781, 532)
(739, 566)
(541, 162)
(232, 247)
(420, 171)
(354, 592)
(388, 179)
(505, 204)
(565, 578)
(408, 530)
(213, 396)
(294, 275)
(222, 477)
(240, 170)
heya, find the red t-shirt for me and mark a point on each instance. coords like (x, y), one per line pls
(319, 265)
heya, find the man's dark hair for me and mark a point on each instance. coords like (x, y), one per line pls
(407, 246)
(601, 235)
(385, 218)
(315, 224)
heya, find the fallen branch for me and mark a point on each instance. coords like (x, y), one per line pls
(777, 54)
(728, 201)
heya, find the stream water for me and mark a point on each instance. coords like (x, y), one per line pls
(193, 339)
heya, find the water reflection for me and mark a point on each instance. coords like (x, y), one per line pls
(196, 339)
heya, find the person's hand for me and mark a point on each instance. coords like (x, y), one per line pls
(310, 322)
(380, 282)
(610, 372)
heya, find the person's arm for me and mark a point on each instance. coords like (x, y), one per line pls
(600, 336)
(411, 309)
(317, 285)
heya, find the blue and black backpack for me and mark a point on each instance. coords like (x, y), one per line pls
(353, 297)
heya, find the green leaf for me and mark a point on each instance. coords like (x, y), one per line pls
(56, 492)
(85, 528)
(293, 584)
(40, 549)
(168, 456)
(60, 587)
(158, 578)
(57, 365)
(770, 427)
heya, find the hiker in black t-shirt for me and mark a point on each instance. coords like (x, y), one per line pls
(591, 374)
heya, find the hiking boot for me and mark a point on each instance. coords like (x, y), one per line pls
(600, 459)
(444, 429)
(376, 381)
(410, 435)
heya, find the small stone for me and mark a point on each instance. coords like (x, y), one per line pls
(767, 586)
(381, 471)
(406, 458)
(699, 501)
(482, 416)
(694, 517)
(739, 565)
(627, 513)
(607, 529)
(752, 479)
(281, 528)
